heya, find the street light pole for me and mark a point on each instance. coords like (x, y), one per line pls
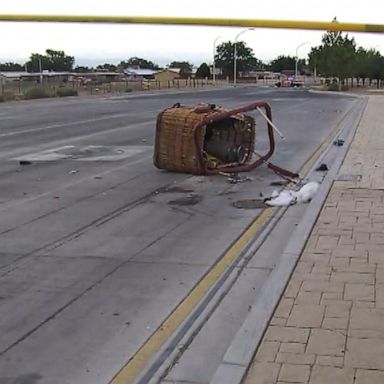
(296, 58)
(41, 72)
(214, 68)
(235, 54)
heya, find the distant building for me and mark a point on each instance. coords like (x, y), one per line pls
(58, 78)
(97, 77)
(167, 74)
(218, 70)
(16, 76)
(136, 73)
(264, 74)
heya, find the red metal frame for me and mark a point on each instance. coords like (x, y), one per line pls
(221, 116)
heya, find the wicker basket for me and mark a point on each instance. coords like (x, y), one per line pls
(202, 138)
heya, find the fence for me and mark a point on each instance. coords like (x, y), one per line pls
(17, 89)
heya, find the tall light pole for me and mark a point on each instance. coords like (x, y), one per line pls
(235, 54)
(214, 53)
(41, 72)
(296, 58)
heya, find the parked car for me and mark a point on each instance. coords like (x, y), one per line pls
(297, 83)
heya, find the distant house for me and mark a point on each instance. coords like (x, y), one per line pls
(167, 74)
(264, 74)
(53, 78)
(97, 77)
(49, 77)
(8, 76)
(136, 73)
(14, 75)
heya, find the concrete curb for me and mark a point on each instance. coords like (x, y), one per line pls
(240, 353)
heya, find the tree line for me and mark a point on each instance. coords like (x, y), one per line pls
(58, 61)
(336, 57)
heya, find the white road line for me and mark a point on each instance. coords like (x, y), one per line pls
(59, 125)
(67, 141)
(7, 117)
(15, 203)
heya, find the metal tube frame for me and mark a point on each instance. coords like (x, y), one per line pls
(221, 116)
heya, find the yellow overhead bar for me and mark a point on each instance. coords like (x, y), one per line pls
(282, 24)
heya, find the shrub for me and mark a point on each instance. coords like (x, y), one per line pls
(35, 93)
(333, 87)
(7, 96)
(66, 91)
(344, 88)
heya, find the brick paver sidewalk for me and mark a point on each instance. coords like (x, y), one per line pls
(329, 325)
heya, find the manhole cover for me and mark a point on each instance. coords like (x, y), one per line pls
(249, 204)
(187, 200)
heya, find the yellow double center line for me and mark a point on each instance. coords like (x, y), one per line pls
(140, 360)
(132, 369)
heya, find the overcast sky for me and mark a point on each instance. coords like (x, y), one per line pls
(93, 44)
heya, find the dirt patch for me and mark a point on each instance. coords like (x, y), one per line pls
(187, 200)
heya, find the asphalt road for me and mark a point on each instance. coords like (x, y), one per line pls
(97, 247)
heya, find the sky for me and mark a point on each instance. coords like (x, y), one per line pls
(93, 44)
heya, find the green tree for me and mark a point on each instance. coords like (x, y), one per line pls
(37, 62)
(138, 61)
(245, 59)
(375, 65)
(315, 59)
(302, 66)
(336, 57)
(107, 67)
(361, 70)
(51, 61)
(283, 63)
(11, 67)
(59, 61)
(203, 71)
(83, 69)
(185, 68)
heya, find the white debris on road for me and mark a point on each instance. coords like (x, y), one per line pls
(290, 197)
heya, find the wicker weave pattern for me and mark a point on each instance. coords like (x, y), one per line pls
(175, 147)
